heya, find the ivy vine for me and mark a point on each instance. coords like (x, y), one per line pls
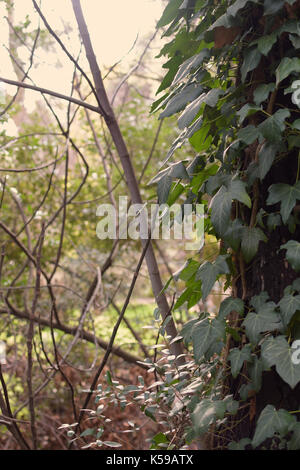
(233, 75)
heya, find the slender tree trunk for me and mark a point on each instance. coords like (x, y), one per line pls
(21, 116)
(112, 124)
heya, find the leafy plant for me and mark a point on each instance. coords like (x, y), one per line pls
(233, 93)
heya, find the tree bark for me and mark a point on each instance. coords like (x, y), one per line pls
(268, 271)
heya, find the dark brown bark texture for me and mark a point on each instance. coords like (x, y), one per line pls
(268, 272)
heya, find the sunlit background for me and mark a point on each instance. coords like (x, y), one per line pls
(119, 30)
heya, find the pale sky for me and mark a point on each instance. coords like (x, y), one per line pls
(113, 26)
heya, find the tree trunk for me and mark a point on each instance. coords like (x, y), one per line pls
(268, 271)
(112, 124)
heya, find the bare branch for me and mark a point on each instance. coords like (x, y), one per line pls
(52, 93)
(117, 351)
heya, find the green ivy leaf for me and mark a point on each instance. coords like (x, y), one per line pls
(296, 285)
(265, 43)
(238, 191)
(233, 234)
(170, 13)
(286, 67)
(198, 135)
(273, 220)
(159, 438)
(221, 209)
(293, 141)
(163, 188)
(295, 40)
(248, 134)
(296, 124)
(289, 304)
(266, 319)
(186, 331)
(285, 194)
(259, 301)
(149, 411)
(164, 180)
(187, 270)
(291, 26)
(208, 273)
(159, 176)
(226, 19)
(210, 98)
(196, 166)
(266, 158)
(247, 110)
(175, 193)
(195, 296)
(181, 99)
(88, 432)
(262, 92)
(192, 292)
(178, 170)
(206, 413)
(272, 127)
(231, 304)
(251, 60)
(245, 391)
(108, 378)
(237, 357)
(250, 241)
(232, 406)
(277, 352)
(292, 248)
(204, 333)
(269, 422)
(221, 203)
(216, 181)
(273, 6)
(190, 64)
(172, 65)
